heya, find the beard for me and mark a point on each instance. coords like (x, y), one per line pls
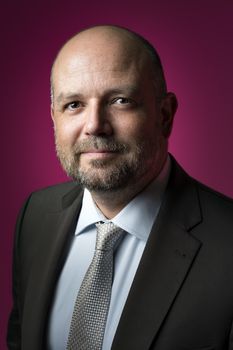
(99, 175)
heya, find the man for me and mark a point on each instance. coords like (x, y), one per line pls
(172, 269)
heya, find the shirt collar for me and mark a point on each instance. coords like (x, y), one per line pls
(89, 214)
(137, 217)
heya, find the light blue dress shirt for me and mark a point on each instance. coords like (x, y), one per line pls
(137, 219)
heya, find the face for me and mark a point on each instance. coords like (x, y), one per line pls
(108, 124)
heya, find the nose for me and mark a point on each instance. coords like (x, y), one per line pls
(96, 121)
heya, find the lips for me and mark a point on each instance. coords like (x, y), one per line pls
(98, 153)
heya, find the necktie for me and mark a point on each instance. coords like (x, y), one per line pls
(92, 303)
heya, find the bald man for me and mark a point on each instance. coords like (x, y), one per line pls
(171, 275)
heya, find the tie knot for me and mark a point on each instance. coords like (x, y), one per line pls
(108, 235)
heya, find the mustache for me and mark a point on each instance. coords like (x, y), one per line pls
(100, 143)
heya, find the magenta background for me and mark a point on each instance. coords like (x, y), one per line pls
(194, 39)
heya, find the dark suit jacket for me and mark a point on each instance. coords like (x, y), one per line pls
(182, 295)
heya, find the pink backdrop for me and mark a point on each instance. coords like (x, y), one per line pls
(194, 39)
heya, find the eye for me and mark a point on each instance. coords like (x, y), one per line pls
(72, 106)
(122, 101)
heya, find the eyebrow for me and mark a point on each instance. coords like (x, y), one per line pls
(131, 90)
(69, 96)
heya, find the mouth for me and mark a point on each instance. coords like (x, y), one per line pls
(98, 153)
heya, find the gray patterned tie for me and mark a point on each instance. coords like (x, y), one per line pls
(92, 303)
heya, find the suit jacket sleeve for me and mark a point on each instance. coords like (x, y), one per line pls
(14, 323)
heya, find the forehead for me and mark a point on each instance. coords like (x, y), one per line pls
(101, 62)
(89, 79)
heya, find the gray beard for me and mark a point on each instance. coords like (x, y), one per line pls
(102, 175)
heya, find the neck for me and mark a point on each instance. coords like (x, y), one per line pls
(111, 203)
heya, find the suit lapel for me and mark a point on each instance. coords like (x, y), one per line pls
(52, 247)
(166, 261)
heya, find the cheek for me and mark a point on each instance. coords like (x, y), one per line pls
(137, 124)
(67, 133)
(128, 125)
(140, 131)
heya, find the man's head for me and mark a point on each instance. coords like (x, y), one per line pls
(112, 114)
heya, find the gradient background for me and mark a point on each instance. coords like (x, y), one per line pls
(194, 39)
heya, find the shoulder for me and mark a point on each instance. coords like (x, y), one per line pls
(57, 190)
(214, 203)
(214, 206)
(181, 180)
(213, 195)
(53, 197)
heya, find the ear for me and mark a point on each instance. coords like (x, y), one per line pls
(52, 112)
(168, 109)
